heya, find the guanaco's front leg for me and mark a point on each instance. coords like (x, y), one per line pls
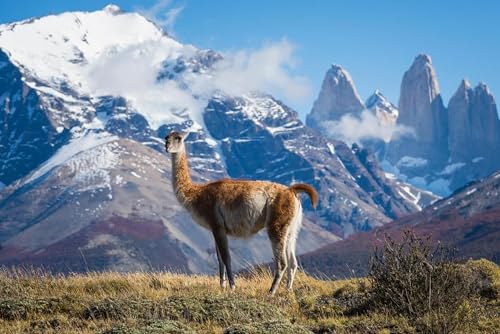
(223, 247)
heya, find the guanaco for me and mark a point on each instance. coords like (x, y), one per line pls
(241, 208)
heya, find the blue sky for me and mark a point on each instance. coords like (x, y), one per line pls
(375, 41)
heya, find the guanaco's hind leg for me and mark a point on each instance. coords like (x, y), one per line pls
(223, 247)
(293, 232)
(278, 229)
(292, 263)
(280, 261)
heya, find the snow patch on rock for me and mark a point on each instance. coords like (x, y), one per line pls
(477, 159)
(70, 150)
(408, 161)
(450, 169)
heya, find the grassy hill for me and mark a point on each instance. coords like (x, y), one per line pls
(32, 301)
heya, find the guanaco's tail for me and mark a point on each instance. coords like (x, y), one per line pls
(305, 188)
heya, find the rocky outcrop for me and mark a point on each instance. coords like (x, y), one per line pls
(474, 127)
(474, 133)
(421, 108)
(363, 165)
(338, 97)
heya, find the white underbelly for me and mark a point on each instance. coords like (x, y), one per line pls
(245, 220)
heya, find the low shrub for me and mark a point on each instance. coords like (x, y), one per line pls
(17, 309)
(157, 327)
(418, 280)
(222, 310)
(268, 327)
(487, 278)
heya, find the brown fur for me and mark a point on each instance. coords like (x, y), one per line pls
(301, 187)
(240, 208)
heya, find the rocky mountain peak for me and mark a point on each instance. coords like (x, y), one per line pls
(422, 71)
(474, 129)
(383, 109)
(465, 84)
(421, 108)
(376, 97)
(482, 88)
(463, 89)
(336, 70)
(341, 78)
(338, 96)
(423, 59)
(112, 9)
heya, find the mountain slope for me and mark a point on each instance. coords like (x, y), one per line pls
(468, 220)
(109, 204)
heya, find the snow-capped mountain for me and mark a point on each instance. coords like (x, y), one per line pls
(83, 116)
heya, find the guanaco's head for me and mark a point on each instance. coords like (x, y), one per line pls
(174, 142)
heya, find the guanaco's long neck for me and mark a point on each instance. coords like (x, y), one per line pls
(183, 185)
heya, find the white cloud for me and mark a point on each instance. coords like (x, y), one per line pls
(132, 73)
(124, 71)
(164, 14)
(268, 69)
(353, 129)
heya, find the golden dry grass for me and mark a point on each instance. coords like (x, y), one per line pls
(33, 301)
